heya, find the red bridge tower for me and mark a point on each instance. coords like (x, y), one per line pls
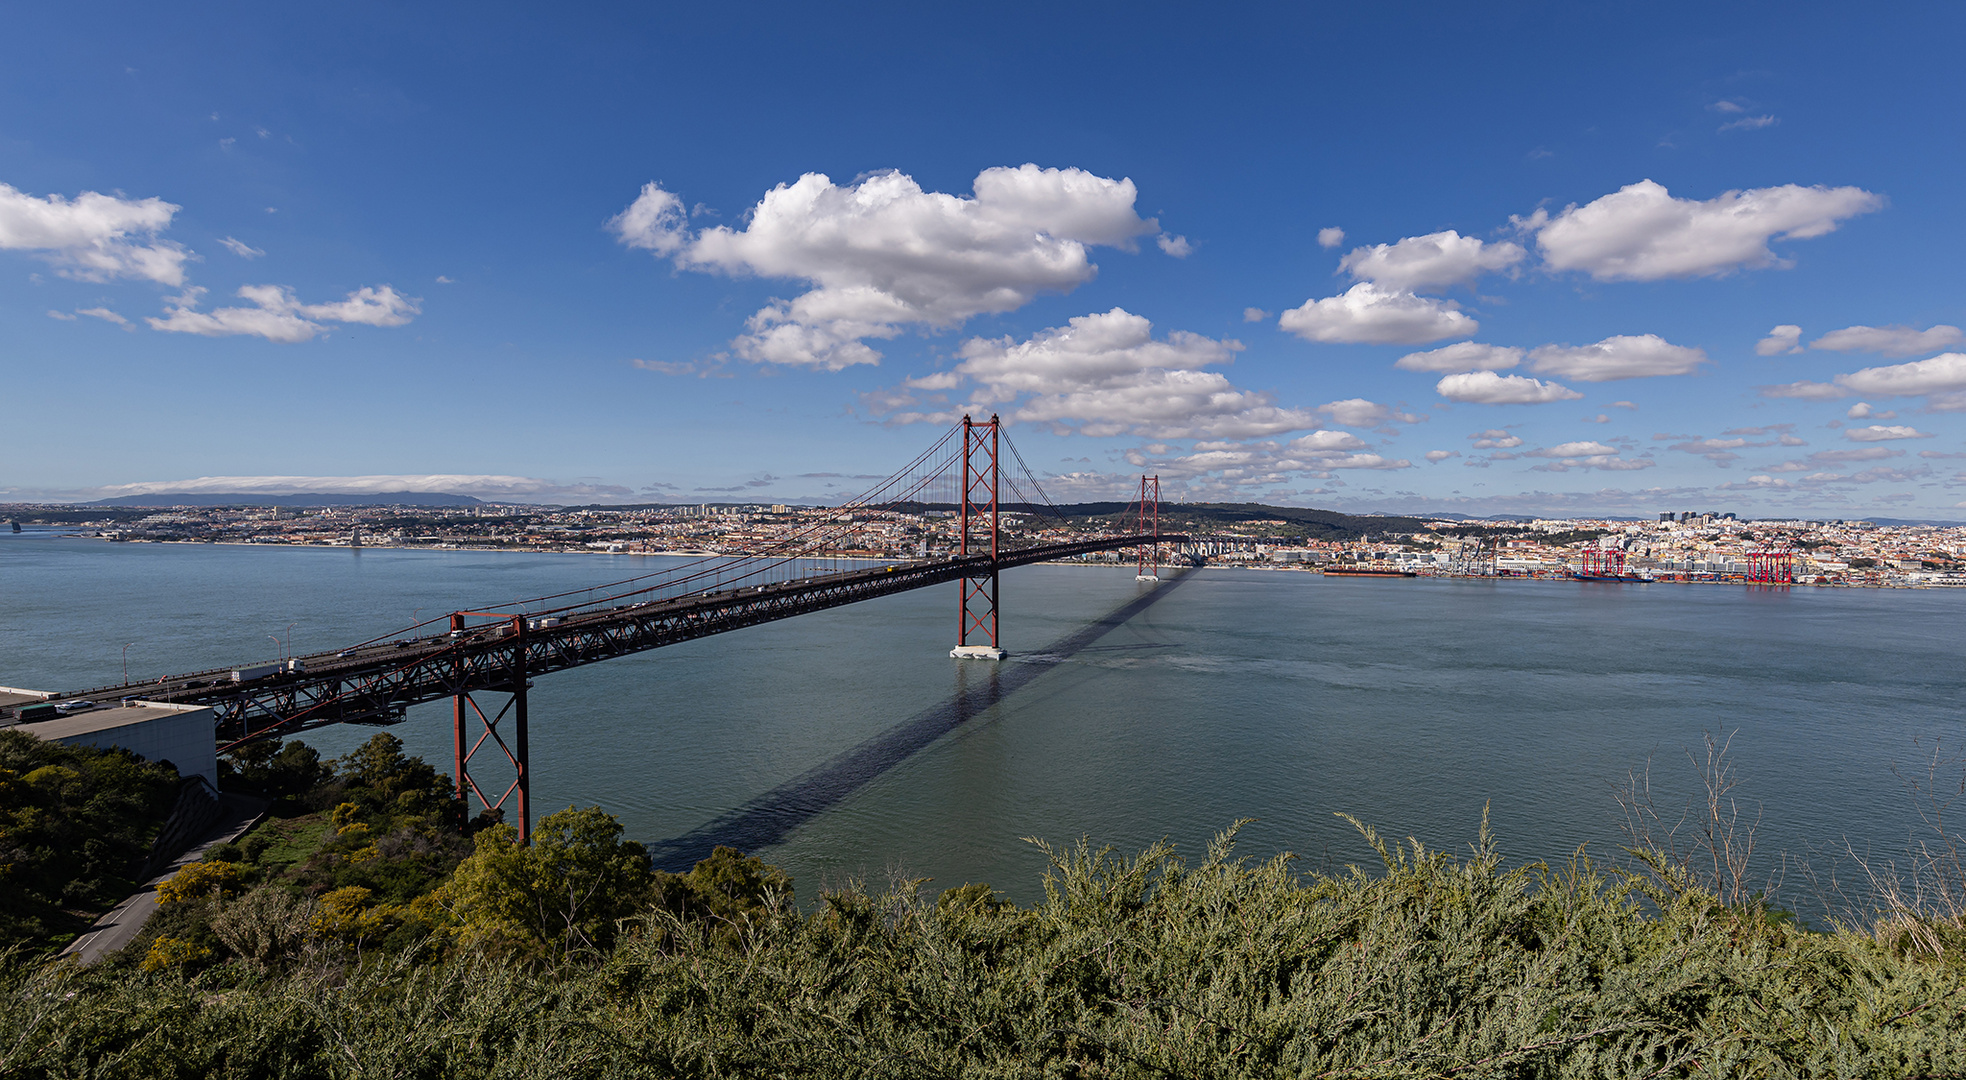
(977, 617)
(1149, 524)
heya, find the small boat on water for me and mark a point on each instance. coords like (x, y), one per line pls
(1366, 571)
(1635, 579)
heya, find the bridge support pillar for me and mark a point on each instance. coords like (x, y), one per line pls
(1149, 558)
(465, 709)
(976, 617)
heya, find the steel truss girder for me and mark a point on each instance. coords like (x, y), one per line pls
(333, 690)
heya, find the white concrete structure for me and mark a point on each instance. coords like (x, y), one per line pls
(152, 730)
(11, 696)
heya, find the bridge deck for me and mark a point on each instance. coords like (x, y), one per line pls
(376, 683)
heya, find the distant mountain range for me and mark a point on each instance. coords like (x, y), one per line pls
(390, 498)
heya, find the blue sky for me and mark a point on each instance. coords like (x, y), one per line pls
(1561, 259)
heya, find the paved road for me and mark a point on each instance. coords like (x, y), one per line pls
(237, 813)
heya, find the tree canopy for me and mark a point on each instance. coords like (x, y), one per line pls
(76, 825)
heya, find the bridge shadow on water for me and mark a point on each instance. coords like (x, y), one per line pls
(768, 819)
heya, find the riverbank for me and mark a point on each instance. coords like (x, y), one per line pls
(880, 561)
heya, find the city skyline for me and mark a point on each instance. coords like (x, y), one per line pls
(1552, 262)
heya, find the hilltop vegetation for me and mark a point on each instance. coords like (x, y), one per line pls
(76, 825)
(1435, 966)
(370, 937)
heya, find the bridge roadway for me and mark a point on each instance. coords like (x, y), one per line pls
(376, 683)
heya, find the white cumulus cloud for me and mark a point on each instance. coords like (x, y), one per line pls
(1495, 439)
(1786, 338)
(369, 306)
(1369, 314)
(1573, 449)
(1462, 356)
(1225, 468)
(1642, 233)
(1946, 371)
(1586, 454)
(1358, 412)
(1433, 261)
(94, 237)
(1889, 340)
(1884, 433)
(1625, 356)
(1176, 246)
(656, 221)
(1331, 237)
(883, 254)
(1105, 374)
(1325, 441)
(1488, 388)
(278, 315)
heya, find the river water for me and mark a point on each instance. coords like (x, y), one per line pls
(848, 744)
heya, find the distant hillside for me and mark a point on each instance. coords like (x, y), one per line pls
(392, 498)
(1934, 522)
(1317, 524)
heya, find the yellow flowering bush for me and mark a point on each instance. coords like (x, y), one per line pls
(199, 880)
(170, 952)
(346, 913)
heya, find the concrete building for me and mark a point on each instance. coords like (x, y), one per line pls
(180, 734)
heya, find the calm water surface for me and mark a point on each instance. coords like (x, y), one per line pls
(1284, 697)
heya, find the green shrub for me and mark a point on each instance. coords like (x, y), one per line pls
(76, 824)
(1428, 965)
(273, 769)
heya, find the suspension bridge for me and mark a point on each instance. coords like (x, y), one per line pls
(479, 656)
